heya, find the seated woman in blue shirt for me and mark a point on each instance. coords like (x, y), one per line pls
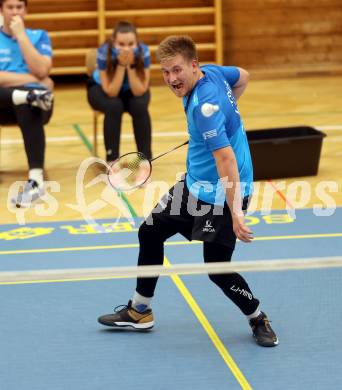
(121, 83)
(25, 90)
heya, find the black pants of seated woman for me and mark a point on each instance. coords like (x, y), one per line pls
(113, 108)
(31, 121)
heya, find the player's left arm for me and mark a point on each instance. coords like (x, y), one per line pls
(38, 64)
(239, 87)
(210, 122)
(229, 174)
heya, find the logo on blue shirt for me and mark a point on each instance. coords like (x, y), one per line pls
(210, 134)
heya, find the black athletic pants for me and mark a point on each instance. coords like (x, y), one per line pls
(31, 122)
(152, 238)
(113, 108)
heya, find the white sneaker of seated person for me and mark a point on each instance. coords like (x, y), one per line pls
(40, 98)
(30, 194)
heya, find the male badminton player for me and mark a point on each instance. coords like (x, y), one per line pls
(208, 204)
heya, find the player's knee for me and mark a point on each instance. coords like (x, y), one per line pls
(219, 280)
(147, 232)
(224, 280)
(154, 233)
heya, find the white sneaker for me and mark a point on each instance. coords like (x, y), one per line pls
(40, 98)
(30, 193)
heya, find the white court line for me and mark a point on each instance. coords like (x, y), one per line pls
(77, 139)
(334, 139)
(130, 136)
(328, 127)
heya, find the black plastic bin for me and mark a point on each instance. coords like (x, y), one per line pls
(285, 152)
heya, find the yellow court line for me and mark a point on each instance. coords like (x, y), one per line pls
(69, 249)
(298, 236)
(194, 307)
(210, 330)
(170, 243)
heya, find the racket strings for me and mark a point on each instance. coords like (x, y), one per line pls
(129, 171)
(132, 170)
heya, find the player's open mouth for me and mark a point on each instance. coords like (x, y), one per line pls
(178, 86)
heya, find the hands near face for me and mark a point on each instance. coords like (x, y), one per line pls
(17, 26)
(126, 57)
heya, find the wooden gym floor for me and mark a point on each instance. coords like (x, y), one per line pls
(315, 101)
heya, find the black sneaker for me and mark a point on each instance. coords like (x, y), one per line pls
(40, 98)
(262, 331)
(128, 317)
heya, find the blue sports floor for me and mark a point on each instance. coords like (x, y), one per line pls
(50, 338)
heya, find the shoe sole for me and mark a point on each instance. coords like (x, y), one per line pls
(274, 343)
(26, 205)
(19, 205)
(144, 326)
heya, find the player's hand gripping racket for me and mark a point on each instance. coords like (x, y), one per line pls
(132, 170)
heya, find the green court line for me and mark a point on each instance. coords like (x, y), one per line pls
(170, 243)
(89, 146)
(83, 137)
(128, 204)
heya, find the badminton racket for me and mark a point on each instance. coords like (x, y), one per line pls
(132, 170)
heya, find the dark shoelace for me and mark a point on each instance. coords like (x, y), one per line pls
(262, 321)
(31, 183)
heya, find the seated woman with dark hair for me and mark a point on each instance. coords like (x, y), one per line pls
(121, 83)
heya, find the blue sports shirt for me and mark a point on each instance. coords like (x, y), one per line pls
(11, 58)
(214, 122)
(102, 62)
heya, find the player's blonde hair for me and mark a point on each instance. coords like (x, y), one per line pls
(177, 44)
